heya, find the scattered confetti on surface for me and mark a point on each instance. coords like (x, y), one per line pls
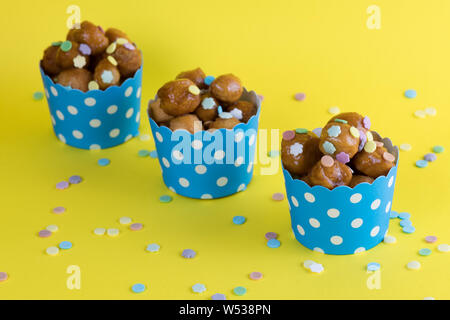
(112, 232)
(405, 223)
(239, 220)
(218, 296)
(271, 235)
(103, 162)
(438, 149)
(410, 93)
(373, 266)
(153, 247)
(316, 267)
(44, 233)
(136, 226)
(409, 229)
(165, 198)
(413, 265)
(431, 239)
(278, 196)
(405, 147)
(59, 210)
(404, 215)
(421, 163)
(443, 247)
(62, 185)
(430, 157)
(3, 276)
(334, 110)
(52, 228)
(198, 288)
(143, 153)
(52, 251)
(393, 214)
(153, 154)
(125, 220)
(138, 288)
(273, 243)
(75, 179)
(431, 111)
(424, 252)
(300, 96)
(65, 245)
(256, 275)
(240, 291)
(389, 239)
(308, 263)
(188, 253)
(99, 231)
(38, 95)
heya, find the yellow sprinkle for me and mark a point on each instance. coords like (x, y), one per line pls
(369, 136)
(420, 114)
(121, 40)
(194, 90)
(430, 111)
(99, 231)
(354, 132)
(93, 85)
(52, 228)
(112, 60)
(111, 48)
(370, 146)
(405, 147)
(112, 232)
(52, 251)
(334, 110)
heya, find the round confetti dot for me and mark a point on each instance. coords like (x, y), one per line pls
(153, 247)
(316, 267)
(136, 226)
(3, 276)
(103, 162)
(328, 147)
(188, 253)
(45, 233)
(99, 231)
(420, 114)
(138, 288)
(430, 157)
(431, 239)
(194, 90)
(165, 199)
(424, 252)
(93, 85)
(334, 110)
(240, 291)
(218, 296)
(198, 288)
(300, 96)
(38, 95)
(405, 223)
(389, 239)
(59, 210)
(288, 135)
(52, 228)
(273, 243)
(431, 111)
(404, 215)
(153, 154)
(62, 185)
(125, 220)
(355, 132)
(256, 275)
(52, 251)
(308, 263)
(66, 46)
(327, 161)
(143, 153)
(443, 247)
(65, 245)
(421, 163)
(112, 232)
(413, 265)
(278, 196)
(438, 149)
(373, 266)
(370, 146)
(271, 235)
(75, 179)
(405, 147)
(410, 93)
(239, 220)
(409, 229)
(393, 214)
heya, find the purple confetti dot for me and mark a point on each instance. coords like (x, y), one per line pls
(271, 235)
(45, 233)
(62, 185)
(288, 135)
(129, 46)
(3, 276)
(366, 123)
(188, 253)
(300, 96)
(343, 157)
(218, 296)
(362, 140)
(430, 157)
(430, 239)
(85, 49)
(59, 210)
(75, 179)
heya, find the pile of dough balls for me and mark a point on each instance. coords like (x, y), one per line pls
(195, 102)
(91, 59)
(345, 154)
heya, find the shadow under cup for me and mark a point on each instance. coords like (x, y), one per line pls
(343, 220)
(208, 165)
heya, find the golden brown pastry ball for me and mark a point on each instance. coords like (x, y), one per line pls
(357, 179)
(177, 98)
(242, 110)
(224, 123)
(49, 64)
(336, 138)
(197, 76)
(301, 153)
(374, 160)
(106, 74)
(75, 78)
(129, 59)
(330, 173)
(113, 34)
(189, 122)
(207, 110)
(89, 34)
(157, 113)
(353, 119)
(72, 58)
(227, 88)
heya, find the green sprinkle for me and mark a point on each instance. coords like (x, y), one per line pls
(56, 43)
(38, 95)
(165, 198)
(340, 120)
(438, 149)
(143, 153)
(239, 291)
(66, 46)
(301, 130)
(424, 252)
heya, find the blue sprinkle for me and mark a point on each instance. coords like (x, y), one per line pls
(219, 109)
(273, 243)
(421, 163)
(208, 103)
(410, 93)
(240, 291)
(404, 215)
(393, 214)
(65, 245)
(409, 229)
(405, 223)
(328, 147)
(38, 95)
(153, 247)
(208, 80)
(138, 288)
(239, 219)
(143, 153)
(198, 288)
(334, 131)
(165, 198)
(373, 266)
(103, 162)
(153, 154)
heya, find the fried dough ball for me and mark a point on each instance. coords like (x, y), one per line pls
(106, 74)
(374, 160)
(176, 99)
(113, 34)
(72, 58)
(357, 179)
(242, 110)
(224, 123)
(339, 140)
(48, 63)
(89, 34)
(227, 88)
(157, 113)
(75, 78)
(197, 76)
(189, 122)
(129, 59)
(330, 173)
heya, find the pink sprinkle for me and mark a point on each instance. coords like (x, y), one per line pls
(45, 233)
(59, 210)
(366, 123)
(431, 239)
(278, 196)
(327, 161)
(342, 157)
(300, 96)
(62, 185)
(256, 275)
(129, 46)
(136, 226)
(288, 135)
(388, 157)
(3, 276)
(271, 235)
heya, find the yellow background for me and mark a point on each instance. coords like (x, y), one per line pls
(278, 48)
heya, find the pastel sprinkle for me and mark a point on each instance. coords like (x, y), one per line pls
(317, 131)
(208, 103)
(38, 95)
(239, 220)
(59, 210)
(165, 198)
(420, 114)
(421, 163)
(208, 80)
(410, 93)
(79, 61)
(327, 161)
(328, 147)
(405, 147)
(52, 228)
(65, 245)
(129, 46)
(111, 48)
(343, 157)
(388, 157)
(301, 130)
(107, 76)
(424, 252)
(52, 251)
(430, 157)
(3, 276)
(188, 253)
(370, 146)
(194, 90)
(62, 185)
(240, 291)
(136, 226)
(66, 46)
(198, 288)
(393, 214)
(431, 239)
(138, 288)
(334, 110)
(225, 115)
(271, 235)
(288, 135)
(75, 179)
(112, 232)
(404, 215)
(334, 131)
(103, 162)
(218, 296)
(354, 132)
(273, 243)
(143, 153)
(308, 263)
(438, 149)
(125, 220)
(278, 196)
(121, 41)
(405, 223)
(256, 275)
(431, 111)
(44, 233)
(316, 267)
(409, 229)
(93, 85)
(112, 60)
(85, 49)
(300, 96)
(389, 239)
(56, 43)
(366, 122)
(153, 247)
(443, 247)
(369, 136)
(99, 231)
(373, 266)
(413, 265)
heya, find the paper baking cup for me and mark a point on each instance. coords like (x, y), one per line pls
(208, 165)
(95, 119)
(343, 220)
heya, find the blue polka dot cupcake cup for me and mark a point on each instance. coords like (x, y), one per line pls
(343, 220)
(96, 119)
(208, 165)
